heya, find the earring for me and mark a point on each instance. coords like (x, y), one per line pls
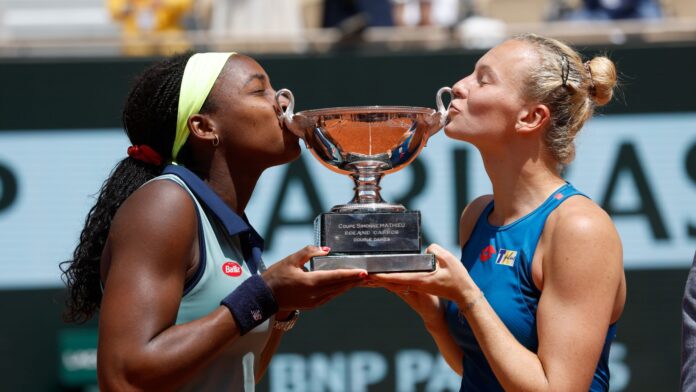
(216, 142)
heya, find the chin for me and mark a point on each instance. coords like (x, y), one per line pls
(290, 153)
(452, 133)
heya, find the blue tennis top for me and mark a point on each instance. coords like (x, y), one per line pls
(499, 259)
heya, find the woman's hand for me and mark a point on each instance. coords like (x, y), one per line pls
(295, 288)
(450, 280)
(426, 305)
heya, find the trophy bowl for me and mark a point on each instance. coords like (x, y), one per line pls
(365, 142)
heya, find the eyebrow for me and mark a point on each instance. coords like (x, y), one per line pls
(256, 76)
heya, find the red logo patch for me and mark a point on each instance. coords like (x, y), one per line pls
(558, 196)
(232, 268)
(487, 252)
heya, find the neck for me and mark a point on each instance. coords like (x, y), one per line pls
(520, 184)
(234, 187)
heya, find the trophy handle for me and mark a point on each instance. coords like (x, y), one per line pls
(287, 116)
(441, 109)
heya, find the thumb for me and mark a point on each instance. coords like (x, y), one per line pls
(442, 255)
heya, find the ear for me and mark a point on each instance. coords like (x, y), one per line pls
(202, 127)
(532, 119)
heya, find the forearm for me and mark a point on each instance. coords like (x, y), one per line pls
(169, 359)
(515, 367)
(267, 353)
(449, 349)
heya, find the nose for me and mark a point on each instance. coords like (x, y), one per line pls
(460, 90)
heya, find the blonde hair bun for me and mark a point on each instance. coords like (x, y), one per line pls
(603, 74)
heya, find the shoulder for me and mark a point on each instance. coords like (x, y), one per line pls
(470, 215)
(159, 210)
(580, 218)
(581, 236)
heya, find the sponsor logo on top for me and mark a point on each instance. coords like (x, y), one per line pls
(232, 268)
(506, 257)
(487, 253)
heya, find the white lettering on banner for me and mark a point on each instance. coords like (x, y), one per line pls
(288, 373)
(58, 175)
(620, 373)
(412, 367)
(338, 373)
(75, 360)
(414, 370)
(359, 371)
(327, 373)
(640, 168)
(415, 367)
(366, 368)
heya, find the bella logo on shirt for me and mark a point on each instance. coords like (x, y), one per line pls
(506, 257)
(232, 268)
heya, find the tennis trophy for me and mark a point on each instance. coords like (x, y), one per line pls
(366, 143)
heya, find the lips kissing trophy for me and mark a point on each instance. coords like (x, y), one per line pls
(367, 142)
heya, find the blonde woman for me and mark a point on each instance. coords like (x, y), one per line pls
(533, 303)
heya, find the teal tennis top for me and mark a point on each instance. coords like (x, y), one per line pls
(499, 260)
(230, 253)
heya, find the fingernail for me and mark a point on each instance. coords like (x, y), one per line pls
(325, 248)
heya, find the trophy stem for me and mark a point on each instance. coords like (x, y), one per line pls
(367, 175)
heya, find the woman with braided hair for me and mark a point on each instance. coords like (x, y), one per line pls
(548, 259)
(167, 256)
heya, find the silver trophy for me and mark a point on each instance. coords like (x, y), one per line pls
(367, 142)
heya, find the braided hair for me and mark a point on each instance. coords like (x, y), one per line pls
(149, 118)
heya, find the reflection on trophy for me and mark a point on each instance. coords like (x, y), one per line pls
(367, 142)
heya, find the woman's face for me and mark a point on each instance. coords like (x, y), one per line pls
(246, 116)
(487, 103)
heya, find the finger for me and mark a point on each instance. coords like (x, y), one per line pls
(322, 278)
(327, 289)
(398, 288)
(328, 295)
(301, 257)
(403, 278)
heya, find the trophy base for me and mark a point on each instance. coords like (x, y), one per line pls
(375, 263)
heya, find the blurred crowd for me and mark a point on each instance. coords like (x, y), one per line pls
(162, 26)
(239, 18)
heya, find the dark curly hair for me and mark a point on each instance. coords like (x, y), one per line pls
(149, 117)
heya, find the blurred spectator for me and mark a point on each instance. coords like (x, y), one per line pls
(151, 26)
(616, 9)
(237, 18)
(373, 12)
(431, 12)
(424, 16)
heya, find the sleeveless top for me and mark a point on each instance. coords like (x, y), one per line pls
(230, 253)
(499, 260)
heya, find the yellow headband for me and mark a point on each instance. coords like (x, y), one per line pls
(200, 74)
